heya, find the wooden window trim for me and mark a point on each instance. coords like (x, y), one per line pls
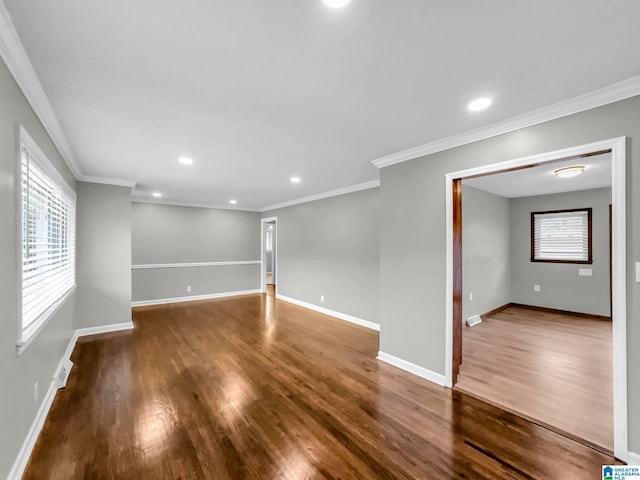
(589, 233)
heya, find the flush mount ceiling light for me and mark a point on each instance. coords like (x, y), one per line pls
(336, 3)
(157, 194)
(479, 104)
(571, 171)
(233, 202)
(185, 161)
(295, 179)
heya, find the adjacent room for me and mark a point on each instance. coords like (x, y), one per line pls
(242, 239)
(537, 270)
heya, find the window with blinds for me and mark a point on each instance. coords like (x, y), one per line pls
(47, 239)
(562, 236)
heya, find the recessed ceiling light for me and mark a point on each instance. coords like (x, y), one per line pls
(336, 3)
(295, 179)
(157, 194)
(233, 202)
(479, 104)
(185, 161)
(571, 171)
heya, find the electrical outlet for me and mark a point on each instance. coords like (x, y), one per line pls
(321, 298)
(470, 296)
(36, 394)
(536, 288)
(188, 288)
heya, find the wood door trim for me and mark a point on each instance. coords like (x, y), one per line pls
(457, 278)
(537, 164)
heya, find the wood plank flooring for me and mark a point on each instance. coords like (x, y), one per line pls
(555, 368)
(253, 388)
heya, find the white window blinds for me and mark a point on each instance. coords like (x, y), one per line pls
(561, 236)
(47, 208)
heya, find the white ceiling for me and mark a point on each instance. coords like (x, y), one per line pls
(257, 91)
(541, 180)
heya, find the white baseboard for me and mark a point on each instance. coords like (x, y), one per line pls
(115, 327)
(24, 454)
(634, 458)
(27, 446)
(160, 301)
(331, 313)
(412, 368)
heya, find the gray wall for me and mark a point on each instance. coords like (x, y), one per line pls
(167, 283)
(166, 234)
(486, 260)
(330, 247)
(103, 255)
(560, 285)
(412, 257)
(496, 254)
(39, 361)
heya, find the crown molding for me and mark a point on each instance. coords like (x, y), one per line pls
(320, 196)
(311, 198)
(194, 205)
(118, 182)
(597, 98)
(17, 60)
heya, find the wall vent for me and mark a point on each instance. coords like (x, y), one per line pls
(63, 374)
(473, 320)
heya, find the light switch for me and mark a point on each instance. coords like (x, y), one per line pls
(637, 272)
(585, 272)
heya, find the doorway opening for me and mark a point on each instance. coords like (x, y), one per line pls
(269, 255)
(455, 253)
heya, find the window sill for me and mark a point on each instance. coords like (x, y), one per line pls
(33, 331)
(574, 262)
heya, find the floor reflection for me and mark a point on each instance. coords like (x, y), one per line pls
(154, 427)
(207, 399)
(270, 315)
(236, 394)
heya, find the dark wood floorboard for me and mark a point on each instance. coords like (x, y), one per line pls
(253, 388)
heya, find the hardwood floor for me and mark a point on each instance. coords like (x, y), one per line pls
(555, 368)
(252, 388)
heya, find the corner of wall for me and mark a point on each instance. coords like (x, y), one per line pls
(22, 459)
(412, 368)
(103, 255)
